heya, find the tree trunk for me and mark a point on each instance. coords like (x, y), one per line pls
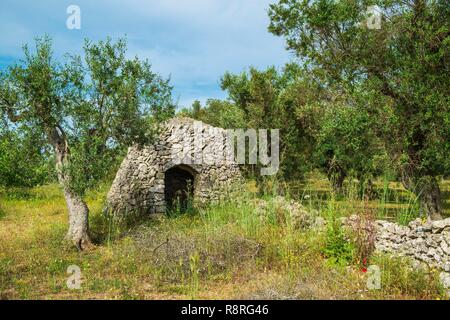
(366, 189)
(78, 232)
(429, 194)
(78, 220)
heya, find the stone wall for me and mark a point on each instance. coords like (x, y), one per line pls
(201, 149)
(426, 243)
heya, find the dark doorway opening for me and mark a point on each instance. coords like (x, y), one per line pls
(179, 188)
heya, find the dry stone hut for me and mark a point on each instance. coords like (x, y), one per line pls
(189, 160)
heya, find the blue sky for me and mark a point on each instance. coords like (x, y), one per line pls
(193, 41)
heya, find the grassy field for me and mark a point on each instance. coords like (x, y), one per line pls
(225, 251)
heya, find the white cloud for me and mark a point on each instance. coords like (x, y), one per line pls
(194, 41)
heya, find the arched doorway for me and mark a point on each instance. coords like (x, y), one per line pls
(179, 187)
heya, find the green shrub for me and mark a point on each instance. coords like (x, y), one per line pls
(22, 163)
(337, 248)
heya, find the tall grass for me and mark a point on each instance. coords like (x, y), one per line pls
(235, 248)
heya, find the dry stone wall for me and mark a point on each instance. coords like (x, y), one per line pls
(427, 243)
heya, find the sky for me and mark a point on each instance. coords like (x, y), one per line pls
(193, 41)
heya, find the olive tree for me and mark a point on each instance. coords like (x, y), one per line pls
(24, 162)
(407, 61)
(87, 108)
(346, 144)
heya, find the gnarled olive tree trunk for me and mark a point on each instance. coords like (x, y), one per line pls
(427, 190)
(336, 175)
(78, 232)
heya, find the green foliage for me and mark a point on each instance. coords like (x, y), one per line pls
(182, 208)
(347, 143)
(88, 108)
(321, 127)
(273, 99)
(188, 256)
(23, 163)
(337, 248)
(260, 95)
(405, 64)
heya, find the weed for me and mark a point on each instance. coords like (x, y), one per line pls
(363, 235)
(337, 248)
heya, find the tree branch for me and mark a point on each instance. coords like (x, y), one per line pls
(9, 112)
